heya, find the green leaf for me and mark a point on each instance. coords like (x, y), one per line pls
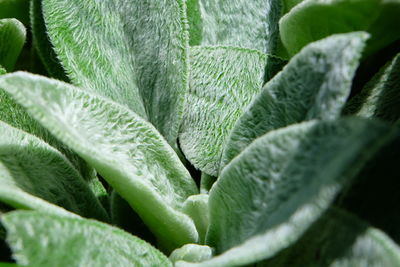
(206, 182)
(136, 54)
(12, 39)
(30, 165)
(191, 253)
(195, 22)
(339, 239)
(314, 84)
(249, 24)
(380, 98)
(289, 4)
(312, 20)
(223, 80)
(18, 9)
(269, 195)
(39, 239)
(2, 70)
(196, 207)
(126, 150)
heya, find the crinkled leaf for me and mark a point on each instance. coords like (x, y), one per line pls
(223, 80)
(126, 150)
(30, 165)
(12, 39)
(136, 54)
(314, 84)
(312, 20)
(381, 96)
(191, 253)
(278, 186)
(249, 24)
(39, 239)
(18, 9)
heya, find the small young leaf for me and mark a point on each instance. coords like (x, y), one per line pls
(191, 253)
(196, 207)
(314, 84)
(40, 239)
(126, 150)
(12, 39)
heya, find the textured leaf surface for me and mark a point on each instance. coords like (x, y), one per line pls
(277, 187)
(223, 80)
(312, 20)
(30, 165)
(381, 96)
(314, 84)
(249, 24)
(39, 239)
(12, 39)
(191, 253)
(126, 150)
(136, 54)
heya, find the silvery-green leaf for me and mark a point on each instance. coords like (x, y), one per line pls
(249, 24)
(30, 165)
(12, 39)
(381, 96)
(314, 84)
(196, 207)
(40, 239)
(135, 54)
(312, 20)
(223, 80)
(18, 9)
(269, 195)
(191, 253)
(125, 149)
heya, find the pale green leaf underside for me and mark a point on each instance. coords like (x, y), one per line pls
(191, 253)
(280, 184)
(126, 150)
(136, 54)
(223, 80)
(314, 84)
(250, 24)
(12, 39)
(30, 165)
(312, 20)
(39, 239)
(381, 96)
(339, 239)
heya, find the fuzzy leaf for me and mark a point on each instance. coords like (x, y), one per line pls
(12, 39)
(206, 182)
(136, 54)
(39, 239)
(191, 253)
(312, 20)
(314, 84)
(223, 80)
(269, 195)
(196, 207)
(30, 165)
(126, 150)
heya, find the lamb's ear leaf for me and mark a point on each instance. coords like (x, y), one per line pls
(339, 239)
(196, 207)
(112, 61)
(223, 80)
(125, 149)
(191, 253)
(314, 84)
(195, 22)
(18, 9)
(228, 23)
(12, 39)
(282, 183)
(381, 96)
(206, 182)
(30, 165)
(40, 239)
(313, 20)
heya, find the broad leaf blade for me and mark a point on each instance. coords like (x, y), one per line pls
(30, 165)
(223, 80)
(277, 187)
(39, 239)
(126, 150)
(314, 84)
(12, 39)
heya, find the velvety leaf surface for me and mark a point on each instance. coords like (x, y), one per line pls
(312, 20)
(12, 39)
(18, 9)
(30, 165)
(223, 80)
(39, 239)
(381, 96)
(277, 187)
(196, 207)
(314, 84)
(194, 21)
(136, 54)
(249, 24)
(126, 150)
(191, 253)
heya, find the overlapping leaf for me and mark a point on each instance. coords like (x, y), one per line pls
(126, 150)
(12, 39)
(191, 253)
